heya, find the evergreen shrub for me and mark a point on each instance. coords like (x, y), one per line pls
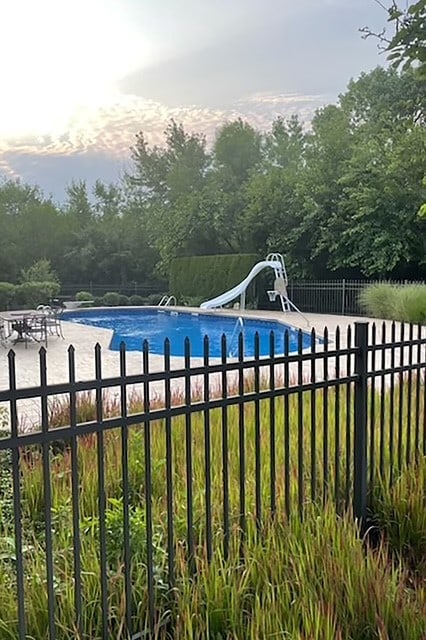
(111, 299)
(208, 276)
(84, 296)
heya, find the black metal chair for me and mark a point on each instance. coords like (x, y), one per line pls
(53, 317)
(35, 329)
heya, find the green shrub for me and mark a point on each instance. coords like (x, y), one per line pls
(136, 301)
(7, 293)
(208, 276)
(154, 298)
(404, 303)
(111, 299)
(191, 301)
(124, 300)
(83, 296)
(412, 304)
(378, 300)
(31, 294)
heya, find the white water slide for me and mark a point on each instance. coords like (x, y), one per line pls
(239, 289)
(273, 261)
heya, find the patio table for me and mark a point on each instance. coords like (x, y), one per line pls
(27, 323)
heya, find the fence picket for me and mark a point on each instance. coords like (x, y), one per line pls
(254, 464)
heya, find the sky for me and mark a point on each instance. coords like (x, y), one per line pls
(79, 79)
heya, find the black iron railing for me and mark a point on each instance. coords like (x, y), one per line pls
(203, 453)
(334, 296)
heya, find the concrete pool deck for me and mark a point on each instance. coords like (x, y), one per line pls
(84, 338)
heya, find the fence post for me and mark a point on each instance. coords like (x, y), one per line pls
(360, 436)
(343, 296)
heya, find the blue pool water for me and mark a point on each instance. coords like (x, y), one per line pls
(133, 326)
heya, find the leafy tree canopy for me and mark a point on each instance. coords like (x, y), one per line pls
(406, 44)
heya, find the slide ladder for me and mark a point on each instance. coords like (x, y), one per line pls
(280, 282)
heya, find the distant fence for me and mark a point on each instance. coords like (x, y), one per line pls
(333, 296)
(128, 288)
(239, 442)
(313, 296)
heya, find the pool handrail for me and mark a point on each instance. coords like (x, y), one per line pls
(167, 301)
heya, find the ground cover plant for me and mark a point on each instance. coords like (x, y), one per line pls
(303, 572)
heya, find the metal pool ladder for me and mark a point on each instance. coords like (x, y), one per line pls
(167, 301)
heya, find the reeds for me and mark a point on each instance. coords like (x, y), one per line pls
(302, 569)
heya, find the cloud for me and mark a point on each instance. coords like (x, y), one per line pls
(112, 127)
(96, 142)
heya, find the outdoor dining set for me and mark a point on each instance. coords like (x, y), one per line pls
(30, 325)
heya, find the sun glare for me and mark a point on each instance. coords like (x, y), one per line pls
(58, 57)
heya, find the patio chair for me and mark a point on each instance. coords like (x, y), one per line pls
(53, 316)
(3, 334)
(36, 329)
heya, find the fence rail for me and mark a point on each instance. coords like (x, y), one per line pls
(127, 288)
(312, 296)
(156, 469)
(334, 296)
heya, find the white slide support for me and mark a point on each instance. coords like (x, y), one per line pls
(240, 289)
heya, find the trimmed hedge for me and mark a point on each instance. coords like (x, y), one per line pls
(208, 276)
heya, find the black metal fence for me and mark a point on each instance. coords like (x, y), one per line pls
(312, 296)
(333, 296)
(162, 467)
(143, 289)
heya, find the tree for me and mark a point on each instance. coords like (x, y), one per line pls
(362, 185)
(237, 150)
(78, 205)
(167, 184)
(406, 45)
(31, 229)
(40, 271)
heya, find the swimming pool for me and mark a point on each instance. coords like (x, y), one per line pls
(133, 326)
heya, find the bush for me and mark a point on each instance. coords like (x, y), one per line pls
(154, 298)
(7, 293)
(124, 300)
(111, 299)
(83, 296)
(136, 301)
(31, 294)
(208, 276)
(412, 304)
(192, 301)
(404, 303)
